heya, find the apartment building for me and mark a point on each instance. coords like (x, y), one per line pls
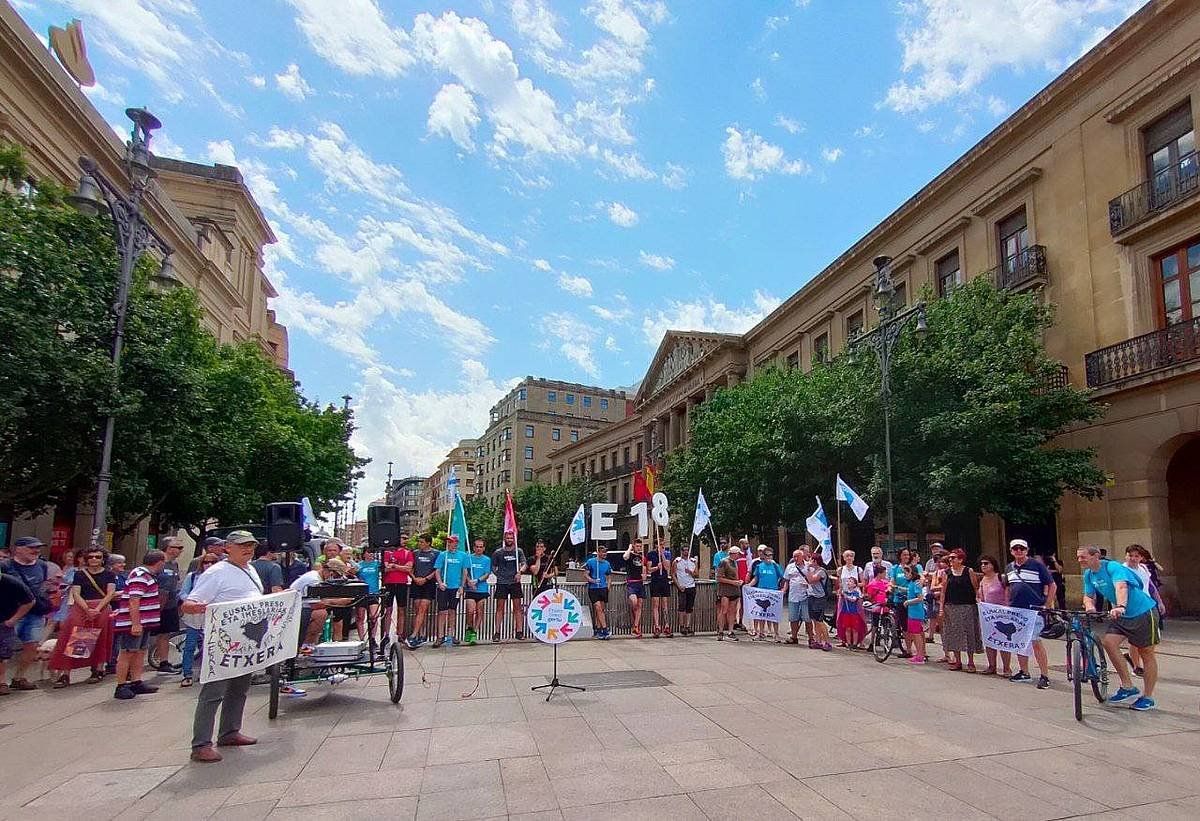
(436, 495)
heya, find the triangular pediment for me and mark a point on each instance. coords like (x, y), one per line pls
(677, 354)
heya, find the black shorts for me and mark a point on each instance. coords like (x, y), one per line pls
(598, 594)
(369, 600)
(1142, 631)
(543, 587)
(660, 588)
(687, 600)
(475, 595)
(168, 622)
(425, 591)
(635, 589)
(396, 592)
(509, 591)
(343, 614)
(447, 599)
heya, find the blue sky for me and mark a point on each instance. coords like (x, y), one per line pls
(467, 193)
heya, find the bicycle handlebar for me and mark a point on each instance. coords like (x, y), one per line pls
(1079, 614)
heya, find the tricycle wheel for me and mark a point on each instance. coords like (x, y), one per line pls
(395, 673)
(273, 709)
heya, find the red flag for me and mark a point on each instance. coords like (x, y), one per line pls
(651, 480)
(641, 491)
(510, 518)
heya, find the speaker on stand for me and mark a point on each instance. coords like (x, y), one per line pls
(383, 526)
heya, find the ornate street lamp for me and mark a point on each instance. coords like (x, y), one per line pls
(134, 236)
(882, 340)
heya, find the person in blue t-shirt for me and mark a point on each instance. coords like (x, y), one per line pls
(370, 570)
(1134, 616)
(768, 575)
(914, 604)
(1029, 586)
(477, 588)
(450, 569)
(898, 591)
(597, 569)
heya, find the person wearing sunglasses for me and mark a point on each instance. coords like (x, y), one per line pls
(1030, 586)
(92, 589)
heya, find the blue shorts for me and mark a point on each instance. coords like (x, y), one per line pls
(798, 610)
(29, 628)
(635, 589)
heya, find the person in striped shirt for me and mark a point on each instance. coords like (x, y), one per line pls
(136, 617)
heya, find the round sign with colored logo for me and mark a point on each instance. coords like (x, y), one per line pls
(554, 616)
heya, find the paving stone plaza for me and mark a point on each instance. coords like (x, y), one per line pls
(737, 731)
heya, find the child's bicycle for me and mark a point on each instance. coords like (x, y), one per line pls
(1085, 656)
(885, 631)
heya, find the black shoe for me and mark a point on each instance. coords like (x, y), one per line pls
(124, 692)
(1020, 676)
(166, 667)
(1043, 682)
(140, 688)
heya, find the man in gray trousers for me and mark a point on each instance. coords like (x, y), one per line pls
(235, 578)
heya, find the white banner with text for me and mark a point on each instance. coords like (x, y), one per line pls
(249, 635)
(1010, 629)
(760, 603)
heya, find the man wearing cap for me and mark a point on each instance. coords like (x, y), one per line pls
(169, 582)
(35, 574)
(1030, 586)
(17, 601)
(729, 591)
(230, 580)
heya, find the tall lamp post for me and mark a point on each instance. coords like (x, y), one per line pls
(340, 512)
(883, 340)
(134, 236)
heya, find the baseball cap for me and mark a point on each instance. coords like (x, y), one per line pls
(213, 541)
(735, 549)
(240, 537)
(452, 538)
(1019, 543)
(29, 541)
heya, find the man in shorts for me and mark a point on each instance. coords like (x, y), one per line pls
(169, 581)
(597, 569)
(424, 588)
(658, 564)
(1134, 616)
(477, 588)
(450, 570)
(31, 570)
(683, 573)
(729, 593)
(397, 567)
(15, 602)
(136, 616)
(508, 563)
(635, 584)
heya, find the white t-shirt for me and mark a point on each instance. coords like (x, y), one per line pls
(306, 581)
(225, 581)
(685, 572)
(852, 572)
(1143, 573)
(868, 571)
(797, 583)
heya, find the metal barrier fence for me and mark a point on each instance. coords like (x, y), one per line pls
(704, 616)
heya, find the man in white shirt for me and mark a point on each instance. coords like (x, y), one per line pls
(797, 597)
(225, 581)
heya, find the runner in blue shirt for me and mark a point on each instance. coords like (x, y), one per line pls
(477, 588)
(370, 570)
(1134, 616)
(450, 570)
(597, 569)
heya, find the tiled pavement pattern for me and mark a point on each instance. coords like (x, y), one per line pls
(744, 731)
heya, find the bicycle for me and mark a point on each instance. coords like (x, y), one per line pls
(885, 632)
(1085, 657)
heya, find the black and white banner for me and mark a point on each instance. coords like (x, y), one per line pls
(249, 635)
(760, 603)
(1010, 629)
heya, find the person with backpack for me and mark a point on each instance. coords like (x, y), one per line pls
(33, 572)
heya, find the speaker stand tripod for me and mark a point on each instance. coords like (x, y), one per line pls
(554, 682)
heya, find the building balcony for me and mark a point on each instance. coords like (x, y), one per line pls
(1169, 347)
(1165, 190)
(615, 472)
(1025, 270)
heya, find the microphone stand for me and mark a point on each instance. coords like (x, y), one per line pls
(555, 684)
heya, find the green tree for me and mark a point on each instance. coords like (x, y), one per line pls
(545, 511)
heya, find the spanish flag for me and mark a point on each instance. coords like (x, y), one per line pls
(643, 484)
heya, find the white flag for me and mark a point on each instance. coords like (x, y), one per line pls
(702, 515)
(847, 495)
(578, 527)
(818, 526)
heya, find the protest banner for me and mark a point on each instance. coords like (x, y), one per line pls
(249, 635)
(763, 604)
(1010, 629)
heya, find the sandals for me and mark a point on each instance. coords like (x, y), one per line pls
(61, 682)
(95, 678)
(186, 681)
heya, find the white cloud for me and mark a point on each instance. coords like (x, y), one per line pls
(534, 20)
(163, 146)
(997, 106)
(354, 36)
(776, 22)
(454, 114)
(576, 340)
(675, 176)
(292, 85)
(610, 344)
(278, 138)
(925, 126)
(749, 157)
(542, 265)
(629, 165)
(788, 124)
(226, 106)
(622, 215)
(579, 286)
(758, 90)
(952, 46)
(831, 155)
(610, 314)
(257, 80)
(656, 261)
(867, 132)
(609, 125)
(104, 94)
(707, 314)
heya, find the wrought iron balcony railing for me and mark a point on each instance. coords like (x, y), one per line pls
(1172, 345)
(1164, 190)
(1061, 378)
(1026, 267)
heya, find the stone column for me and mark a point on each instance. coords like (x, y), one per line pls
(672, 430)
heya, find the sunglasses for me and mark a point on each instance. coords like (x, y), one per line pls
(208, 563)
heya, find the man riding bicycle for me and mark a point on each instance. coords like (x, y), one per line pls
(1134, 616)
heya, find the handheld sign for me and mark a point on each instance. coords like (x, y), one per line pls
(554, 616)
(249, 635)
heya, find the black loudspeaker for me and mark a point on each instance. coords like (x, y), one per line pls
(284, 531)
(383, 526)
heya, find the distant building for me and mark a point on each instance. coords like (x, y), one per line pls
(436, 496)
(406, 494)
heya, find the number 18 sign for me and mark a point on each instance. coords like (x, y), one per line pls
(554, 616)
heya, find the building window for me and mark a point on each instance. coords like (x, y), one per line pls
(902, 294)
(820, 349)
(1178, 272)
(527, 474)
(556, 434)
(625, 493)
(570, 399)
(948, 273)
(574, 436)
(558, 477)
(603, 463)
(520, 394)
(854, 324)
(587, 401)
(627, 456)
(529, 431)
(603, 404)
(1013, 232)
(1170, 151)
(572, 471)
(638, 450)
(529, 452)
(551, 396)
(793, 360)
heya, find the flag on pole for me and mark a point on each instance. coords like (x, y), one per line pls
(510, 518)
(307, 517)
(452, 481)
(644, 481)
(703, 514)
(818, 525)
(458, 523)
(578, 527)
(847, 495)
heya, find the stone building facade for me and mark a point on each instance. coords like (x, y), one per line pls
(436, 496)
(1089, 193)
(406, 494)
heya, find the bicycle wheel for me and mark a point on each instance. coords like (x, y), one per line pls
(1100, 677)
(884, 641)
(273, 706)
(395, 674)
(1079, 661)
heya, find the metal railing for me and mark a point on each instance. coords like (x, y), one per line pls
(1172, 345)
(1165, 189)
(615, 471)
(1059, 379)
(1021, 269)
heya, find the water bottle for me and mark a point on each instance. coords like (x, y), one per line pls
(327, 630)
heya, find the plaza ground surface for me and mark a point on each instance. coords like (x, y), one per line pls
(741, 731)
